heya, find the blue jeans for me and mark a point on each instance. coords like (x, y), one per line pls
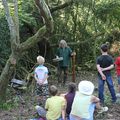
(101, 88)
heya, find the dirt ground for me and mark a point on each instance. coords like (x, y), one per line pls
(25, 111)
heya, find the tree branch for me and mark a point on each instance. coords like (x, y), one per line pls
(33, 40)
(61, 6)
(16, 21)
(81, 42)
(45, 13)
(42, 32)
(70, 2)
(12, 26)
(9, 20)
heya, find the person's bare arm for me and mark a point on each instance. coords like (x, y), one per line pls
(40, 82)
(64, 113)
(100, 71)
(95, 99)
(108, 68)
(45, 77)
(35, 76)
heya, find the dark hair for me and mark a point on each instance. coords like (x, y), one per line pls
(104, 47)
(53, 90)
(71, 87)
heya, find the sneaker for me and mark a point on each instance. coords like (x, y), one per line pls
(118, 101)
(103, 109)
(114, 101)
(118, 95)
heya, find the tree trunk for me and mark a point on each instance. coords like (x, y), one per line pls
(17, 48)
(6, 76)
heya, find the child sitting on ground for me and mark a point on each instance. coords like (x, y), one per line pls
(84, 102)
(69, 97)
(55, 106)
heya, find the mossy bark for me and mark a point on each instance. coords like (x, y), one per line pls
(18, 48)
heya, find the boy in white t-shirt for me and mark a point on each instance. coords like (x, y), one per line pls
(41, 75)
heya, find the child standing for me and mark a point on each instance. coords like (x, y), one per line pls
(117, 66)
(104, 66)
(84, 102)
(41, 75)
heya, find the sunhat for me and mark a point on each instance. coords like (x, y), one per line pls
(86, 87)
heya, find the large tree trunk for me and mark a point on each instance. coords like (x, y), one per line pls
(6, 76)
(17, 48)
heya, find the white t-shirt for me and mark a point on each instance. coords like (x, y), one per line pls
(40, 72)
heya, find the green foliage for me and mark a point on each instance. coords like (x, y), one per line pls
(109, 10)
(28, 19)
(26, 10)
(78, 22)
(107, 99)
(81, 21)
(10, 104)
(4, 40)
(5, 106)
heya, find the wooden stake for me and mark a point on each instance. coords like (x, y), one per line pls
(73, 68)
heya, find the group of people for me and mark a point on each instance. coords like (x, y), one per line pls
(75, 104)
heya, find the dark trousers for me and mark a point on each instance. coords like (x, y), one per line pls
(60, 70)
(101, 88)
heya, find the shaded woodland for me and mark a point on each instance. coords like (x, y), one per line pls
(35, 27)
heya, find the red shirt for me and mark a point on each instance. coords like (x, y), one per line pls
(117, 63)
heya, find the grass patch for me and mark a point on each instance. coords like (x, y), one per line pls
(8, 105)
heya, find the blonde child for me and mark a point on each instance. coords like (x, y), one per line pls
(41, 75)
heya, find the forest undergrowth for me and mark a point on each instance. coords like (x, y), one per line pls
(16, 109)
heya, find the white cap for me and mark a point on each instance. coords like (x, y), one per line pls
(86, 87)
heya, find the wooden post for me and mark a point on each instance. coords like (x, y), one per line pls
(73, 68)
